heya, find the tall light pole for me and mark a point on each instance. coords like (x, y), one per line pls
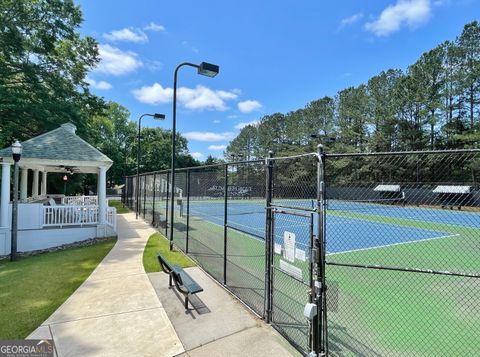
(155, 116)
(205, 69)
(16, 154)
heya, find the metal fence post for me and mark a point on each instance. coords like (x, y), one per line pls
(124, 190)
(127, 191)
(268, 237)
(188, 211)
(311, 298)
(130, 192)
(144, 194)
(225, 222)
(166, 207)
(153, 200)
(319, 328)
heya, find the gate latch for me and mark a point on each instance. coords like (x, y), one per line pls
(310, 311)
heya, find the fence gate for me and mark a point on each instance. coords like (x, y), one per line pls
(291, 274)
(295, 303)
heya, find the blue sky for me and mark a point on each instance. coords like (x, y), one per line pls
(274, 56)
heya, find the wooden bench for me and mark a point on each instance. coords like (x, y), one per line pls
(183, 282)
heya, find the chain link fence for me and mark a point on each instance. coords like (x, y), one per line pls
(403, 234)
(386, 244)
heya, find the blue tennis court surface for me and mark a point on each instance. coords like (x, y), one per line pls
(434, 215)
(250, 218)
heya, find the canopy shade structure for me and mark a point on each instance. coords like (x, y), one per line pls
(388, 188)
(62, 151)
(453, 189)
(59, 150)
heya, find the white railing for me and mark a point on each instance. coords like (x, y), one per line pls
(73, 215)
(112, 217)
(34, 199)
(80, 200)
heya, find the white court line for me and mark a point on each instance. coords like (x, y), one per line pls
(393, 224)
(393, 244)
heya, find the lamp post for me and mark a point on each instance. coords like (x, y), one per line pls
(65, 179)
(16, 154)
(155, 116)
(205, 69)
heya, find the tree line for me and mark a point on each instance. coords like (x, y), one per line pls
(433, 104)
(44, 62)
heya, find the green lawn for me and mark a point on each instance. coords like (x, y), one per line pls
(158, 243)
(32, 288)
(119, 206)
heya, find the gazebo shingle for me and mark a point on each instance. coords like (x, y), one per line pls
(59, 144)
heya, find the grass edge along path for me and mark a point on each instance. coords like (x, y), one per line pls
(119, 206)
(32, 288)
(158, 243)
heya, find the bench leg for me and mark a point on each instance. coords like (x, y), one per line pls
(169, 279)
(186, 302)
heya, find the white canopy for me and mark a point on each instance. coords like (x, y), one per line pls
(387, 188)
(453, 189)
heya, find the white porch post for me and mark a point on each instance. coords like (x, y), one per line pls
(35, 183)
(102, 195)
(5, 197)
(43, 190)
(24, 184)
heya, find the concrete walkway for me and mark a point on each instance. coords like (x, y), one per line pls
(217, 324)
(116, 311)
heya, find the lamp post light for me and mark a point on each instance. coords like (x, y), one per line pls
(16, 154)
(65, 179)
(155, 116)
(205, 69)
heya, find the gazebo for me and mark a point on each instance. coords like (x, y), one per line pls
(42, 221)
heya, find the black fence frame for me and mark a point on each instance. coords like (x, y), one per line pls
(318, 334)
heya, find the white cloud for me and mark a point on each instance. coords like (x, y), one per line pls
(249, 106)
(117, 62)
(217, 147)
(102, 85)
(216, 121)
(412, 13)
(198, 98)
(201, 97)
(242, 125)
(154, 94)
(126, 35)
(351, 19)
(154, 27)
(208, 136)
(196, 155)
(232, 116)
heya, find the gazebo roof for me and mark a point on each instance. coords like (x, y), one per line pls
(59, 148)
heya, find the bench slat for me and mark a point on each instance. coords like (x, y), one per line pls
(187, 281)
(164, 262)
